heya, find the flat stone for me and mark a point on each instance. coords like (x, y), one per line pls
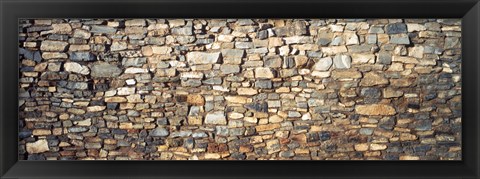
(384, 58)
(194, 58)
(81, 56)
(187, 30)
(347, 74)
(273, 146)
(375, 109)
(323, 64)
(264, 73)
(229, 69)
(76, 68)
(358, 58)
(234, 53)
(159, 132)
(263, 84)
(103, 29)
(399, 39)
(373, 79)
(118, 46)
(105, 70)
(298, 39)
(39, 146)
(396, 28)
(342, 61)
(63, 28)
(53, 46)
(195, 99)
(216, 118)
(246, 91)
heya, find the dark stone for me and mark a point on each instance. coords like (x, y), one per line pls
(259, 106)
(413, 106)
(313, 137)
(324, 135)
(384, 58)
(430, 96)
(39, 28)
(119, 131)
(103, 29)
(387, 123)
(423, 125)
(422, 148)
(36, 157)
(59, 37)
(422, 116)
(263, 84)
(238, 156)
(81, 56)
(181, 98)
(263, 34)
(396, 28)
(112, 106)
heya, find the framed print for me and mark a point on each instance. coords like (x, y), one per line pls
(199, 89)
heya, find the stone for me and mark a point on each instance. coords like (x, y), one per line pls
(341, 61)
(81, 56)
(373, 79)
(399, 39)
(396, 28)
(186, 30)
(53, 46)
(384, 58)
(38, 146)
(358, 58)
(63, 28)
(103, 29)
(105, 70)
(159, 132)
(118, 46)
(298, 40)
(375, 109)
(216, 118)
(348, 74)
(323, 64)
(378, 147)
(264, 73)
(246, 91)
(80, 33)
(195, 58)
(263, 84)
(197, 100)
(229, 69)
(273, 146)
(76, 68)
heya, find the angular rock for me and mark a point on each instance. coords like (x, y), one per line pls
(105, 70)
(342, 61)
(159, 132)
(39, 146)
(373, 79)
(76, 68)
(195, 58)
(264, 73)
(53, 46)
(323, 64)
(375, 109)
(216, 118)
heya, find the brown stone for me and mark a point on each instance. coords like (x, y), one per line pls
(373, 79)
(375, 109)
(195, 99)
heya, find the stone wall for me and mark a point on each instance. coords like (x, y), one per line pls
(240, 89)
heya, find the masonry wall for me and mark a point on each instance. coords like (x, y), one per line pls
(240, 89)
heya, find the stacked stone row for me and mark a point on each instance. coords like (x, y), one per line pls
(240, 89)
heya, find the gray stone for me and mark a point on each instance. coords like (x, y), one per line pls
(229, 69)
(323, 64)
(235, 53)
(384, 58)
(273, 61)
(366, 131)
(57, 46)
(399, 39)
(217, 117)
(159, 132)
(342, 61)
(135, 62)
(263, 84)
(396, 28)
(103, 29)
(194, 58)
(82, 56)
(187, 30)
(105, 70)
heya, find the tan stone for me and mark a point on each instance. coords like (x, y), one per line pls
(116, 99)
(267, 127)
(237, 99)
(407, 137)
(246, 91)
(361, 147)
(263, 72)
(408, 157)
(38, 132)
(39, 146)
(195, 99)
(373, 79)
(96, 108)
(375, 109)
(346, 74)
(378, 146)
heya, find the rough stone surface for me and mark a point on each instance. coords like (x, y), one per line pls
(240, 89)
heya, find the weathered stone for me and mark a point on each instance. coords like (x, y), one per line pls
(323, 64)
(159, 132)
(76, 68)
(197, 100)
(342, 61)
(396, 28)
(399, 39)
(105, 70)
(194, 58)
(53, 46)
(373, 79)
(216, 118)
(230, 69)
(375, 109)
(38, 146)
(264, 73)
(81, 56)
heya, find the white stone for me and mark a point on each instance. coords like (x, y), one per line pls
(76, 68)
(217, 117)
(323, 64)
(37, 147)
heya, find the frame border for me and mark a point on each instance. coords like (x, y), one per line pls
(468, 10)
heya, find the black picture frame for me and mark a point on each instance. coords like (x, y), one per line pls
(468, 10)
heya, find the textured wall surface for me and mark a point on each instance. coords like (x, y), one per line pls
(240, 89)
